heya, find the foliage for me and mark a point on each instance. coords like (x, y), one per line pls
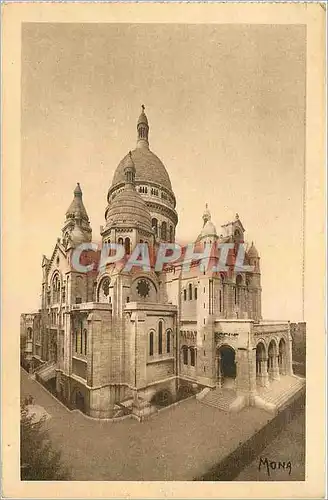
(39, 461)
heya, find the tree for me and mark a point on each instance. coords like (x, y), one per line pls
(39, 461)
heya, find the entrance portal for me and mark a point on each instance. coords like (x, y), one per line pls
(79, 401)
(226, 366)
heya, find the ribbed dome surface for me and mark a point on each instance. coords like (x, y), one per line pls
(128, 209)
(208, 230)
(149, 168)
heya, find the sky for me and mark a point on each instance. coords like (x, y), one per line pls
(226, 109)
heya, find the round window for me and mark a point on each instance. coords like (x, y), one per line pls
(143, 288)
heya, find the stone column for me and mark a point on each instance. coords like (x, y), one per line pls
(275, 368)
(139, 336)
(264, 373)
(94, 375)
(218, 368)
(246, 374)
(289, 357)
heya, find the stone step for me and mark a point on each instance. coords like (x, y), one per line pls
(280, 391)
(219, 398)
(46, 372)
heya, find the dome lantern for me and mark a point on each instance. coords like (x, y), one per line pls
(208, 231)
(142, 129)
(206, 215)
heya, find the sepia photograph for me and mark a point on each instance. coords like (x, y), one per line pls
(162, 224)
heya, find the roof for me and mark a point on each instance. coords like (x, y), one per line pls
(149, 168)
(128, 209)
(77, 208)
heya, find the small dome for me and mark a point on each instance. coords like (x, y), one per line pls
(128, 163)
(128, 209)
(149, 168)
(208, 230)
(77, 209)
(252, 252)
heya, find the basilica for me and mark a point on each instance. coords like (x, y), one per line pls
(113, 342)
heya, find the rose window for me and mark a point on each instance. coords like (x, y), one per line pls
(143, 288)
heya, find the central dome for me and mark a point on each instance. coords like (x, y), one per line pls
(151, 182)
(127, 208)
(148, 168)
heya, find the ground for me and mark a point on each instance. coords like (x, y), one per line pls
(179, 443)
(288, 446)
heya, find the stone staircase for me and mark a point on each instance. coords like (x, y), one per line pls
(46, 371)
(220, 398)
(272, 398)
(278, 393)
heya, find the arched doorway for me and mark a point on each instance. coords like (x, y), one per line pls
(227, 366)
(282, 357)
(79, 401)
(272, 364)
(261, 365)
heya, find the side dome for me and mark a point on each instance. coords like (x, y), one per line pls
(208, 230)
(148, 168)
(128, 209)
(252, 252)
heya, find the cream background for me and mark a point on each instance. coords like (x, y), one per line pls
(226, 107)
(14, 279)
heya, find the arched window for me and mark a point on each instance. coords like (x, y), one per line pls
(127, 246)
(195, 293)
(154, 225)
(164, 230)
(192, 357)
(103, 290)
(160, 337)
(55, 289)
(171, 234)
(120, 241)
(85, 341)
(168, 341)
(221, 292)
(184, 294)
(238, 236)
(190, 291)
(151, 343)
(239, 281)
(185, 354)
